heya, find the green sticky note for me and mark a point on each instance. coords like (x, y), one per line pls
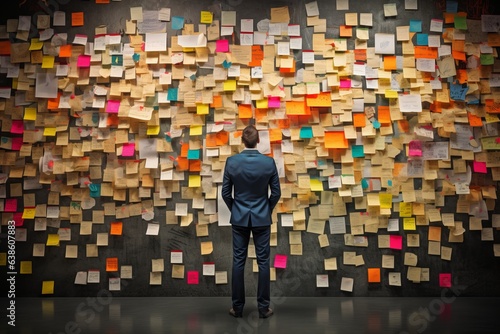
(460, 22)
(487, 59)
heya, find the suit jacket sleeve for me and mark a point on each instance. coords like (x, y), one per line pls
(227, 187)
(274, 184)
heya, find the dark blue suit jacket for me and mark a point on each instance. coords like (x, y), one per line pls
(251, 174)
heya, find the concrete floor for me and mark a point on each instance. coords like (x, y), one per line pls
(292, 315)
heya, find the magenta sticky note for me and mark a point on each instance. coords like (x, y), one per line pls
(280, 261)
(345, 83)
(17, 127)
(193, 277)
(10, 205)
(222, 45)
(396, 242)
(17, 217)
(445, 280)
(17, 142)
(415, 148)
(479, 167)
(83, 61)
(112, 106)
(128, 150)
(273, 102)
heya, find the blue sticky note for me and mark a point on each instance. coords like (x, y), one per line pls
(415, 26)
(423, 39)
(95, 190)
(451, 6)
(193, 154)
(226, 64)
(358, 151)
(364, 184)
(177, 22)
(458, 92)
(306, 132)
(376, 124)
(172, 94)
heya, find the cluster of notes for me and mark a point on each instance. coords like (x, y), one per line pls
(388, 128)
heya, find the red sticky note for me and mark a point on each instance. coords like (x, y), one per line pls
(415, 148)
(445, 280)
(17, 127)
(17, 142)
(396, 242)
(273, 102)
(280, 261)
(83, 61)
(10, 205)
(128, 150)
(18, 219)
(193, 277)
(112, 106)
(479, 167)
(222, 45)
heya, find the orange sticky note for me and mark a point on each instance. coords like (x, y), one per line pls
(260, 115)
(323, 99)
(216, 101)
(458, 55)
(4, 48)
(493, 39)
(275, 135)
(77, 19)
(222, 138)
(373, 275)
(184, 150)
(182, 164)
(297, 108)
(53, 103)
(425, 52)
(101, 1)
(359, 120)
(449, 17)
(257, 56)
(116, 228)
(194, 165)
(112, 264)
(474, 120)
(434, 233)
(404, 126)
(462, 76)
(390, 63)
(335, 139)
(384, 115)
(65, 50)
(345, 31)
(245, 111)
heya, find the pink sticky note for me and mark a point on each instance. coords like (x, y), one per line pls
(273, 102)
(345, 83)
(396, 242)
(480, 167)
(17, 142)
(128, 150)
(222, 45)
(193, 277)
(415, 148)
(18, 218)
(445, 280)
(112, 106)
(280, 261)
(10, 205)
(17, 127)
(83, 61)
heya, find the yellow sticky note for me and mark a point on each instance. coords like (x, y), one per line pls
(47, 287)
(261, 104)
(153, 130)
(316, 185)
(230, 85)
(385, 201)
(206, 17)
(48, 62)
(194, 181)
(202, 109)
(49, 132)
(26, 267)
(29, 213)
(391, 94)
(30, 114)
(405, 209)
(409, 224)
(3, 259)
(36, 44)
(195, 130)
(53, 240)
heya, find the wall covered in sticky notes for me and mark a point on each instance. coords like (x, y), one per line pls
(117, 118)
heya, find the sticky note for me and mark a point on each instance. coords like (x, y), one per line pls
(229, 85)
(95, 190)
(10, 205)
(48, 61)
(405, 209)
(128, 149)
(83, 61)
(77, 19)
(222, 45)
(113, 106)
(29, 213)
(409, 224)
(373, 275)
(396, 242)
(47, 287)
(460, 22)
(172, 94)
(177, 22)
(316, 184)
(415, 148)
(195, 130)
(193, 154)
(479, 167)
(335, 139)
(194, 181)
(451, 6)
(49, 131)
(273, 102)
(116, 228)
(245, 111)
(52, 239)
(358, 151)
(202, 109)
(206, 17)
(415, 26)
(306, 132)
(29, 114)
(153, 130)
(445, 280)
(193, 277)
(112, 264)
(280, 261)
(422, 39)
(17, 127)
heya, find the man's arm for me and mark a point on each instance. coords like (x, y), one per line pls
(227, 188)
(274, 184)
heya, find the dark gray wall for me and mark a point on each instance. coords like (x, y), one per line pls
(473, 265)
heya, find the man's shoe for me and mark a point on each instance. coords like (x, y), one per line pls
(235, 314)
(266, 314)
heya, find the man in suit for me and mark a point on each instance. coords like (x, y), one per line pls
(250, 175)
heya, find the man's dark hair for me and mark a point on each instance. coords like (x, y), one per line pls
(250, 136)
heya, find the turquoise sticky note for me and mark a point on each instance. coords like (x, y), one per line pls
(172, 94)
(423, 39)
(415, 26)
(95, 190)
(193, 154)
(226, 64)
(177, 22)
(364, 184)
(117, 60)
(451, 6)
(306, 132)
(358, 151)
(376, 124)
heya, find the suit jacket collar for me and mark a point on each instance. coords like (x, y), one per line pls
(250, 151)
